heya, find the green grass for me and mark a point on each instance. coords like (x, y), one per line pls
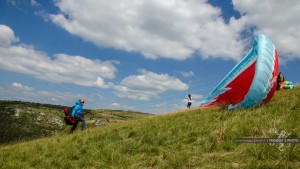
(22, 121)
(186, 139)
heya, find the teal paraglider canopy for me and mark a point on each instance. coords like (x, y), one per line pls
(252, 81)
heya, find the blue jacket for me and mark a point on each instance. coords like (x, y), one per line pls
(77, 110)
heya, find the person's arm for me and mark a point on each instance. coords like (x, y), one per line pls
(74, 111)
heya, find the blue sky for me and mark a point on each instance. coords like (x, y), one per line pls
(135, 55)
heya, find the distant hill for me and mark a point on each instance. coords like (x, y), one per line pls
(27, 121)
(207, 138)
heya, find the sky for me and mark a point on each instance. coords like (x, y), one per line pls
(137, 55)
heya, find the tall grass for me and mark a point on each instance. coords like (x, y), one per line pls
(21, 121)
(186, 139)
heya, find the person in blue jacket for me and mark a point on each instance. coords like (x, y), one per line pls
(77, 114)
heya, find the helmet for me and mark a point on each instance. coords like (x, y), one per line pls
(81, 100)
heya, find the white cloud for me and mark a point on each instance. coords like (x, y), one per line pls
(197, 96)
(7, 36)
(42, 14)
(18, 91)
(115, 104)
(171, 29)
(187, 74)
(156, 28)
(34, 3)
(147, 85)
(19, 86)
(279, 20)
(13, 2)
(62, 69)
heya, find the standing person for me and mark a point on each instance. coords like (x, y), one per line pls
(280, 81)
(189, 101)
(77, 114)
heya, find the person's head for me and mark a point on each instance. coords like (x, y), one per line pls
(81, 101)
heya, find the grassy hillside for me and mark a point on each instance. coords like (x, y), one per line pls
(27, 121)
(187, 139)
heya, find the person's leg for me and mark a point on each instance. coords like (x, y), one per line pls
(82, 123)
(73, 128)
(189, 105)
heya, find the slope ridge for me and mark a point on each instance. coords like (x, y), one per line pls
(185, 139)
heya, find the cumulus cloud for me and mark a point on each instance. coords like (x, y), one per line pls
(147, 85)
(171, 29)
(19, 86)
(156, 28)
(278, 19)
(7, 36)
(61, 68)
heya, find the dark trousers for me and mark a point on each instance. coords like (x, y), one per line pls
(78, 119)
(189, 105)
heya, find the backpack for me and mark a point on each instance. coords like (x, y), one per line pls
(68, 118)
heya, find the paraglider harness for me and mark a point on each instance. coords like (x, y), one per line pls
(68, 118)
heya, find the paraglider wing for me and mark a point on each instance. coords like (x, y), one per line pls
(252, 81)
